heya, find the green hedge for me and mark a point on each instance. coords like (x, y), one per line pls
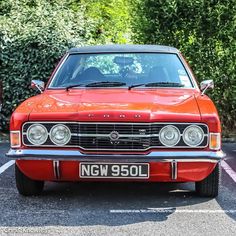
(112, 19)
(33, 37)
(205, 32)
(34, 34)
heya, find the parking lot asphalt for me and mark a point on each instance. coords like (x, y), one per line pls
(118, 208)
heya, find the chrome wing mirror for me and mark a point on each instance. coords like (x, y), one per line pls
(206, 84)
(38, 84)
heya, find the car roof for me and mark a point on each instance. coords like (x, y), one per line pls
(116, 48)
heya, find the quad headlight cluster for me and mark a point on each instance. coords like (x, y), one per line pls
(176, 135)
(170, 136)
(59, 134)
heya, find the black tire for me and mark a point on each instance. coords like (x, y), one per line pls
(27, 186)
(209, 187)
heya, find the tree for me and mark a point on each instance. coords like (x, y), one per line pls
(204, 31)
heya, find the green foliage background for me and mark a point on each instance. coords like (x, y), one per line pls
(34, 34)
(205, 32)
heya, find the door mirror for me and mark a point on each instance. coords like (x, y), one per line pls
(38, 84)
(206, 84)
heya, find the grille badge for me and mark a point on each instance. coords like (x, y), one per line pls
(114, 136)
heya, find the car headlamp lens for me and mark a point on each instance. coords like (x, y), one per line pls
(193, 135)
(37, 134)
(169, 135)
(60, 135)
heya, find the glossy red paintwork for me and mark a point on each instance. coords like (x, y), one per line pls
(159, 105)
(159, 172)
(153, 105)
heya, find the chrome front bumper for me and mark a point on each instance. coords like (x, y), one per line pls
(157, 156)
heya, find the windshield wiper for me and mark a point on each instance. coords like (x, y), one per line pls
(106, 84)
(135, 85)
(157, 84)
(164, 84)
(73, 86)
(98, 84)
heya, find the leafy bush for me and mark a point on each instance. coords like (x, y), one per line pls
(204, 31)
(112, 19)
(33, 37)
(34, 34)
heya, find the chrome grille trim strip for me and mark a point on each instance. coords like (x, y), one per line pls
(112, 122)
(120, 135)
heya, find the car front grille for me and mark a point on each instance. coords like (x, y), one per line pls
(132, 136)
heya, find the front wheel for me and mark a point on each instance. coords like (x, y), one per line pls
(209, 187)
(27, 186)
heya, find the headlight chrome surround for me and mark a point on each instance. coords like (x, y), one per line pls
(44, 134)
(164, 139)
(186, 138)
(60, 128)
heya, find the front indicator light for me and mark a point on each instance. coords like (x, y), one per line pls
(15, 139)
(215, 141)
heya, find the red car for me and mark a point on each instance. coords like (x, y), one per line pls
(118, 113)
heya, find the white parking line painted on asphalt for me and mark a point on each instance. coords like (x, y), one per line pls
(229, 170)
(171, 210)
(6, 166)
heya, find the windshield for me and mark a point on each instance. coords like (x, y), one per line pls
(121, 70)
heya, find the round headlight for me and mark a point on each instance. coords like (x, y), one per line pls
(60, 135)
(193, 135)
(169, 135)
(37, 134)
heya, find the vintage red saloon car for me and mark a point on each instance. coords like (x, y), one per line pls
(118, 113)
